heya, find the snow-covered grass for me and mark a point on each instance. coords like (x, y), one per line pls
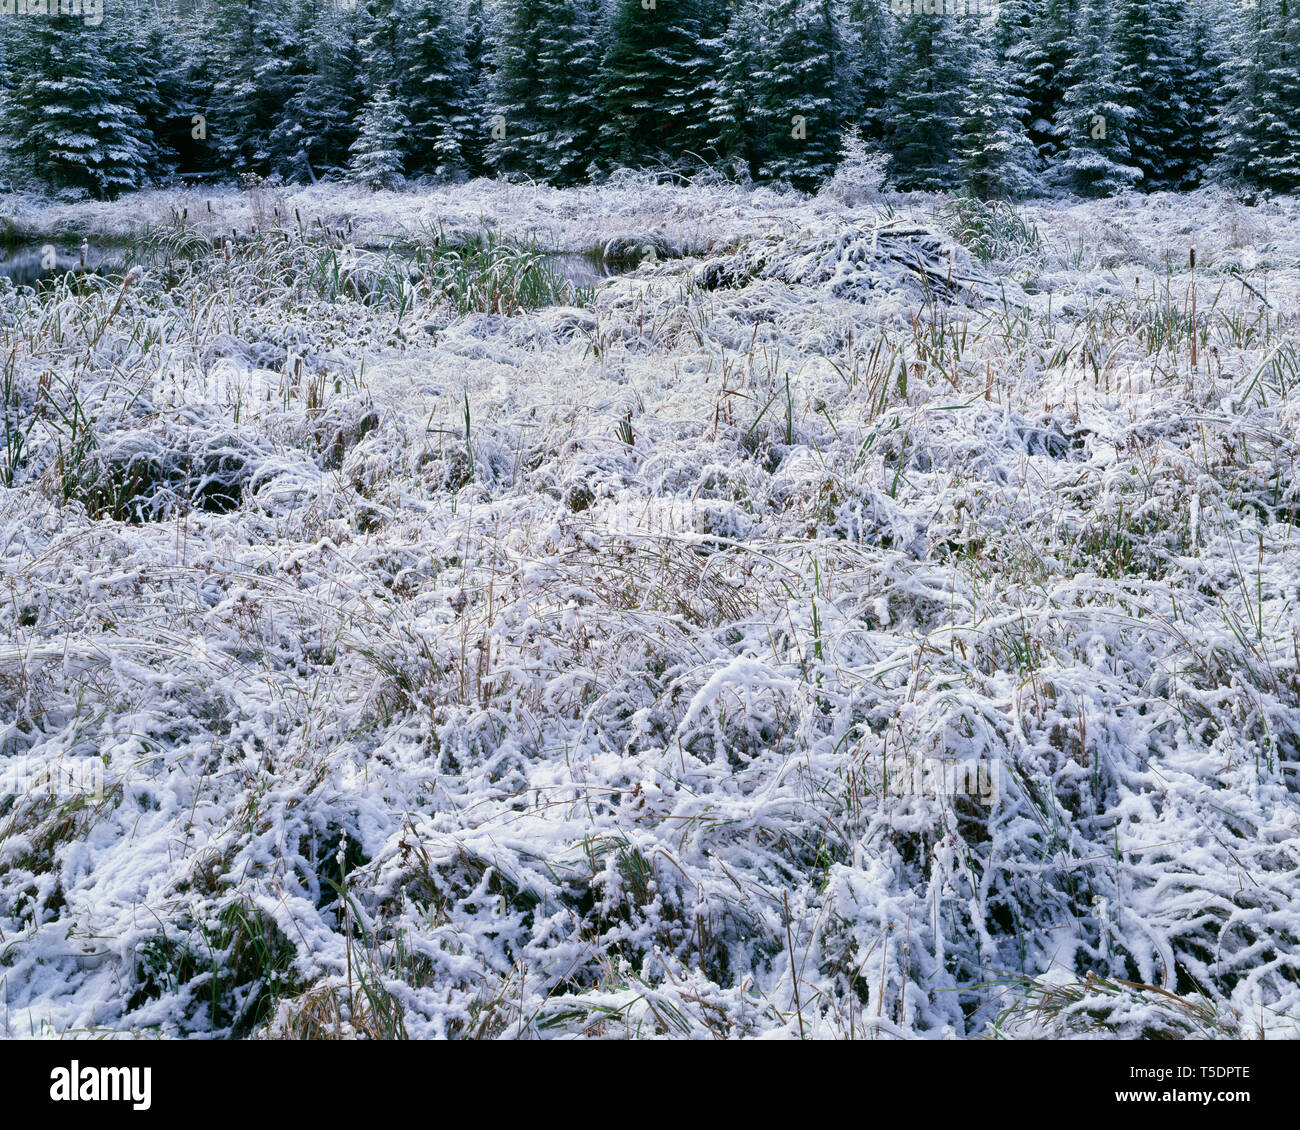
(375, 662)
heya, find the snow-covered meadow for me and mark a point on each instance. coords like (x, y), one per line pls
(372, 668)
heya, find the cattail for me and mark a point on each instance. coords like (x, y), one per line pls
(134, 275)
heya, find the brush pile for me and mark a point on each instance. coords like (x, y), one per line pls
(860, 262)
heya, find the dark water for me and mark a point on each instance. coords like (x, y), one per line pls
(30, 263)
(583, 270)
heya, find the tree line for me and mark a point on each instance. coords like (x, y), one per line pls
(1005, 99)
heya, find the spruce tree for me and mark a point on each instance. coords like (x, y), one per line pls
(318, 124)
(479, 32)
(517, 127)
(252, 62)
(929, 79)
(415, 49)
(1039, 37)
(1093, 116)
(732, 130)
(378, 154)
(380, 48)
(544, 107)
(865, 64)
(198, 66)
(162, 95)
(797, 118)
(1153, 77)
(1203, 50)
(71, 115)
(569, 91)
(436, 85)
(998, 160)
(653, 81)
(1259, 129)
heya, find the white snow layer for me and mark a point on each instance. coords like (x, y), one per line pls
(538, 731)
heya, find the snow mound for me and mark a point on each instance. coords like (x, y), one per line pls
(859, 261)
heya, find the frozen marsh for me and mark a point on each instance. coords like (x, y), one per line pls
(421, 645)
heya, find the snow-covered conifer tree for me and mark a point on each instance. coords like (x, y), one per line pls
(544, 108)
(319, 121)
(1153, 76)
(1093, 116)
(253, 58)
(929, 78)
(1259, 129)
(72, 115)
(655, 82)
(378, 152)
(436, 84)
(797, 116)
(864, 63)
(998, 160)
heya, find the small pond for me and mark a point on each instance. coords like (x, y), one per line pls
(29, 263)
